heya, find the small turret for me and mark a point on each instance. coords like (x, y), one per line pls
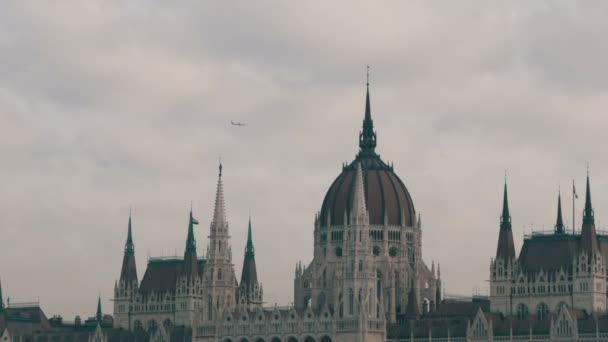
(99, 315)
(559, 224)
(506, 248)
(250, 289)
(1, 298)
(588, 234)
(128, 273)
(190, 257)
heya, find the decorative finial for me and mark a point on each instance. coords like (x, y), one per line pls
(367, 75)
(220, 167)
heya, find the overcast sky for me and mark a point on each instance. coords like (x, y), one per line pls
(110, 104)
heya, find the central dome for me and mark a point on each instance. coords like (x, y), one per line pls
(386, 197)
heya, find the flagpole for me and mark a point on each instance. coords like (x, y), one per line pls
(573, 220)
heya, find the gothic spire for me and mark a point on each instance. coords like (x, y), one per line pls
(129, 247)
(559, 225)
(358, 210)
(506, 248)
(98, 315)
(190, 257)
(128, 273)
(190, 241)
(505, 218)
(589, 242)
(219, 212)
(249, 247)
(367, 137)
(588, 213)
(249, 275)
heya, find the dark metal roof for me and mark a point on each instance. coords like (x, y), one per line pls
(548, 252)
(162, 274)
(385, 193)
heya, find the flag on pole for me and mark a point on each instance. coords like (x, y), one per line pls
(574, 191)
(194, 221)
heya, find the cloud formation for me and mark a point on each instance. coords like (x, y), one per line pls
(107, 104)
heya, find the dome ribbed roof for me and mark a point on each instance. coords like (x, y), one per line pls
(385, 193)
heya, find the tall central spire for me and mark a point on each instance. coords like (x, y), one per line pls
(367, 137)
(219, 212)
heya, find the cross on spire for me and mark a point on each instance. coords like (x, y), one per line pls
(367, 137)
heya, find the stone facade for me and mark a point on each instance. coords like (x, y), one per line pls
(553, 269)
(367, 270)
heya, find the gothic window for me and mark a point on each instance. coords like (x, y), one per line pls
(209, 307)
(542, 310)
(360, 265)
(338, 251)
(152, 326)
(167, 324)
(323, 278)
(522, 311)
(376, 250)
(351, 302)
(137, 326)
(219, 274)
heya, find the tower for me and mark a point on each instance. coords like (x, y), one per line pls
(220, 278)
(125, 291)
(250, 291)
(189, 281)
(589, 279)
(503, 265)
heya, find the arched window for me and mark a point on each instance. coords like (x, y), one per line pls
(522, 311)
(167, 324)
(326, 339)
(219, 274)
(542, 310)
(360, 265)
(426, 306)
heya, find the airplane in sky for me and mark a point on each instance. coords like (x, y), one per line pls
(237, 123)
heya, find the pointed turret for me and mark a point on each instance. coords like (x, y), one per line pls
(367, 137)
(358, 209)
(559, 224)
(98, 315)
(588, 234)
(190, 258)
(249, 276)
(1, 298)
(128, 273)
(506, 247)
